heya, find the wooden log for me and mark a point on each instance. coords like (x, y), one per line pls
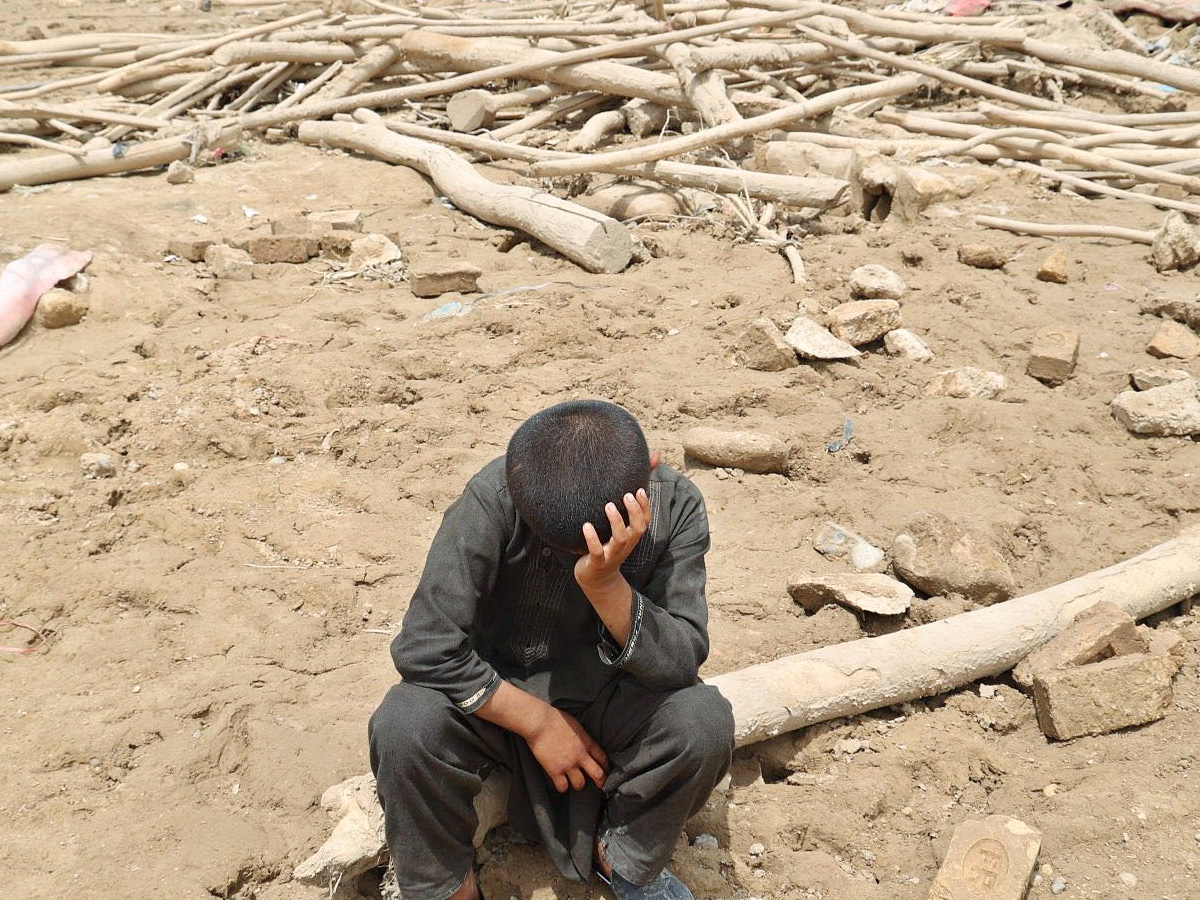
(795, 112)
(28, 140)
(71, 113)
(704, 89)
(555, 109)
(475, 109)
(146, 155)
(734, 56)
(370, 66)
(312, 52)
(94, 41)
(594, 241)
(130, 75)
(1096, 187)
(1038, 229)
(596, 129)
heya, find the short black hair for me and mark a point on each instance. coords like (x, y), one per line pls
(565, 463)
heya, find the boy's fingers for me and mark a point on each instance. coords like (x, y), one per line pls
(593, 539)
(638, 518)
(593, 770)
(560, 783)
(596, 751)
(577, 779)
(615, 521)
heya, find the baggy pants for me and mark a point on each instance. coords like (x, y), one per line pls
(667, 751)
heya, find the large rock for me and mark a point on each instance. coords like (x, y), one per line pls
(748, 450)
(1170, 410)
(967, 382)
(813, 341)
(1174, 341)
(1145, 379)
(1175, 245)
(1104, 696)
(863, 321)
(876, 282)
(869, 593)
(762, 347)
(939, 556)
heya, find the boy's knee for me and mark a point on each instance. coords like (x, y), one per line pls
(702, 723)
(409, 723)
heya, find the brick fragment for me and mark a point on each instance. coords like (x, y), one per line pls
(338, 219)
(229, 263)
(187, 247)
(283, 248)
(988, 859)
(1100, 631)
(1053, 355)
(1105, 696)
(434, 277)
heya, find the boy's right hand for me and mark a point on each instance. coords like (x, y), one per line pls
(566, 751)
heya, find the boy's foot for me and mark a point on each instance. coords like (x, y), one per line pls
(665, 887)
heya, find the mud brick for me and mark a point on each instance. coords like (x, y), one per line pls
(434, 277)
(338, 219)
(1054, 354)
(297, 225)
(229, 263)
(1105, 696)
(1101, 630)
(1166, 643)
(337, 243)
(283, 248)
(988, 859)
(190, 248)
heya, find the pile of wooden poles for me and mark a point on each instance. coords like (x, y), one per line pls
(684, 95)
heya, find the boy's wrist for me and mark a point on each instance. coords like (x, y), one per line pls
(613, 591)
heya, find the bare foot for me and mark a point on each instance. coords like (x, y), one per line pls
(469, 889)
(602, 861)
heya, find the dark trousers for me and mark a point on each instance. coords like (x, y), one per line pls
(667, 751)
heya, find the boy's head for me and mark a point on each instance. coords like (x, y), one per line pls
(566, 462)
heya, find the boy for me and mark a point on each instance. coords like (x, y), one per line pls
(557, 631)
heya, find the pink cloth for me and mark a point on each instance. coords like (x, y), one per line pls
(24, 280)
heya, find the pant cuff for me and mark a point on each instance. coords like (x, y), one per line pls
(624, 864)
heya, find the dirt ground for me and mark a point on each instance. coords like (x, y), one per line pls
(219, 612)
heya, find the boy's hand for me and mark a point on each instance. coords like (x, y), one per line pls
(566, 751)
(600, 568)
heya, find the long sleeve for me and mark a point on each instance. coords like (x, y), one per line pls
(668, 641)
(433, 648)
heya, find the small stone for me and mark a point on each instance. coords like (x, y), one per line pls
(747, 450)
(187, 247)
(1128, 879)
(373, 250)
(981, 256)
(902, 342)
(1101, 630)
(837, 542)
(283, 248)
(1050, 790)
(757, 849)
(1174, 340)
(338, 219)
(848, 746)
(59, 308)
(967, 382)
(813, 341)
(1145, 379)
(1165, 643)
(1104, 696)
(871, 593)
(97, 465)
(762, 347)
(706, 842)
(1175, 245)
(989, 859)
(876, 282)
(1054, 267)
(179, 172)
(429, 277)
(939, 556)
(229, 263)
(1170, 410)
(1058, 885)
(987, 691)
(863, 321)
(337, 243)
(1053, 355)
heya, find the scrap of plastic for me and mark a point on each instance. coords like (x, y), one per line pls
(847, 437)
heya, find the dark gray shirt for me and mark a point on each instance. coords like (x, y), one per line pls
(495, 602)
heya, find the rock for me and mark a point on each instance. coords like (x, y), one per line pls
(939, 556)
(902, 342)
(1100, 631)
(294, 225)
(229, 263)
(988, 859)
(1053, 356)
(1058, 885)
(59, 308)
(97, 465)
(1103, 696)
(432, 277)
(179, 172)
(1145, 379)
(813, 341)
(1128, 879)
(837, 542)
(877, 594)
(1181, 309)
(338, 219)
(747, 450)
(757, 849)
(372, 250)
(805, 159)
(631, 201)
(283, 248)
(355, 846)
(876, 283)
(1054, 267)
(864, 321)
(1174, 340)
(187, 247)
(762, 347)
(337, 243)
(848, 746)
(981, 256)
(1165, 643)
(967, 382)
(706, 842)
(1175, 245)
(1170, 410)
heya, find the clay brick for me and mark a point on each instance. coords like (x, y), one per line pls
(1105, 696)
(432, 278)
(1053, 356)
(337, 243)
(297, 225)
(190, 248)
(229, 263)
(1174, 340)
(283, 248)
(1166, 643)
(1100, 631)
(988, 859)
(338, 219)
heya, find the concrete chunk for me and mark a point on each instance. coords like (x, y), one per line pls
(1145, 379)
(813, 341)
(1174, 340)
(748, 450)
(1100, 631)
(229, 263)
(967, 382)
(988, 859)
(903, 342)
(1101, 697)
(863, 321)
(939, 556)
(875, 282)
(1054, 267)
(762, 347)
(1170, 410)
(878, 594)
(1053, 355)
(434, 277)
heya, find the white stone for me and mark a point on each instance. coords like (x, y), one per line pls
(373, 250)
(97, 465)
(812, 340)
(875, 282)
(967, 382)
(706, 842)
(1170, 410)
(864, 321)
(179, 172)
(837, 542)
(868, 592)
(1145, 379)
(1175, 245)
(902, 342)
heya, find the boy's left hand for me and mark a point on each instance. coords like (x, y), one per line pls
(600, 567)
